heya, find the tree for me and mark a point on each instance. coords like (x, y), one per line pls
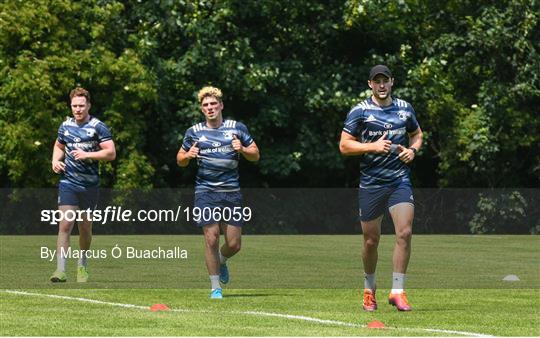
(48, 48)
(291, 71)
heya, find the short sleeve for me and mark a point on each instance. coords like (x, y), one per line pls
(61, 137)
(244, 135)
(189, 139)
(412, 123)
(353, 122)
(103, 133)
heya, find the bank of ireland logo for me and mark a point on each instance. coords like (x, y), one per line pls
(216, 144)
(228, 135)
(388, 125)
(77, 139)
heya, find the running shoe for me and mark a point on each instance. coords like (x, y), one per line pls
(370, 304)
(216, 294)
(82, 274)
(399, 300)
(58, 277)
(223, 273)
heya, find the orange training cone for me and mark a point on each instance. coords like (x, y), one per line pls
(159, 307)
(375, 325)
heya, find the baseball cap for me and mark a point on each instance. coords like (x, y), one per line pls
(380, 69)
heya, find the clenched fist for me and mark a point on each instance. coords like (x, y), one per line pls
(193, 151)
(237, 145)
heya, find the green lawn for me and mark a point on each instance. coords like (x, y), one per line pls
(454, 283)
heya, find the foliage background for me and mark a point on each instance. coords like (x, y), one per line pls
(290, 70)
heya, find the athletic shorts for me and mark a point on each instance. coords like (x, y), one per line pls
(219, 207)
(373, 202)
(84, 197)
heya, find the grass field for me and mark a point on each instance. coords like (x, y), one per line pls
(280, 285)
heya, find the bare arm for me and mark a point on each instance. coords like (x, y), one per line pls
(57, 157)
(415, 141)
(106, 153)
(350, 146)
(183, 157)
(250, 153)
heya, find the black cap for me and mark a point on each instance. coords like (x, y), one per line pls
(380, 69)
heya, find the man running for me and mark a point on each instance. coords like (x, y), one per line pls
(217, 145)
(383, 130)
(82, 141)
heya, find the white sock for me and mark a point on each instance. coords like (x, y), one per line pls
(398, 282)
(214, 280)
(82, 259)
(369, 281)
(222, 259)
(60, 262)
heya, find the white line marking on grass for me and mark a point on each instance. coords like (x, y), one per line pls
(338, 323)
(86, 300)
(253, 313)
(308, 319)
(452, 331)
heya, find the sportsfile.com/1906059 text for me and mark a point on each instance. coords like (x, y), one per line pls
(119, 214)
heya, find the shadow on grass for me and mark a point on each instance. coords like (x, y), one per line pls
(250, 295)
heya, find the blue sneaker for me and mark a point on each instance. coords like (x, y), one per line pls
(223, 273)
(216, 294)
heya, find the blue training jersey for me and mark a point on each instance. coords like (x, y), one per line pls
(368, 122)
(217, 160)
(86, 137)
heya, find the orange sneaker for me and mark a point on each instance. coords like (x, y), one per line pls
(399, 300)
(370, 304)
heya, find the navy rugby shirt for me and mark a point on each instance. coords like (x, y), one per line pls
(217, 160)
(367, 122)
(86, 137)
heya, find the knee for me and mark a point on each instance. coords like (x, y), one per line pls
(85, 229)
(212, 241)
(371, 242)
(65, 228)
(405, 235)
(234, 246)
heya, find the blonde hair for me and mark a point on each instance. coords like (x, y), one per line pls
(209, 91)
